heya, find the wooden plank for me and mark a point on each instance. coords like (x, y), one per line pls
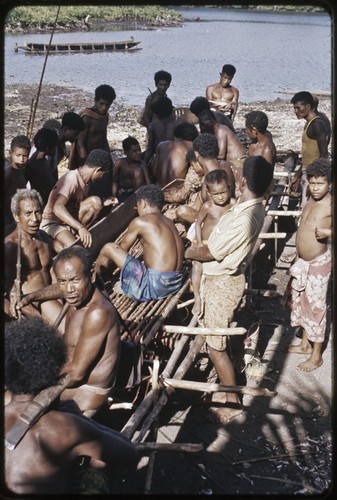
(188, 330)
(213, 387)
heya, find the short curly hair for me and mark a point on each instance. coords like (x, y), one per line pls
(34, 355)
(152, 194)
(20, 141)
(24, 194)
(80, 253)
(320, 168)
(257, 120)
(99, 158)
(105, 92)
(206, 145)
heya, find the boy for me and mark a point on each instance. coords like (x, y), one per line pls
(39, 170)
(162, 80)
(160, 273)
(311, 271)
(211, 211)
(131, 172)
(15, 175)
(223, 96)
(96, 119)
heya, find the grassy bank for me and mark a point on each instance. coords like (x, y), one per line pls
(39, 17)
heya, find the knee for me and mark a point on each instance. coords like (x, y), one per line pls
(95, 203)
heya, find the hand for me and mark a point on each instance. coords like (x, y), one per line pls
(171, 214)
(85, 236)
(110, 201)
(321, 233)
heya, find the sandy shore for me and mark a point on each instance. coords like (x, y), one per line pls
(56, 100)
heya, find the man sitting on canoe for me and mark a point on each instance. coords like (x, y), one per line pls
(160, 273)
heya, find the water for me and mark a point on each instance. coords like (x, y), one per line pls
(272, 52)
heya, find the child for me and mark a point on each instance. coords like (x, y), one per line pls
(39, 171)
(15, 174)
(131, 172)
(211, 211)
(262, 142)
(222, 96)
(311, 271)
(96, 119)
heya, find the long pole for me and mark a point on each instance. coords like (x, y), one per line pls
(32, 117)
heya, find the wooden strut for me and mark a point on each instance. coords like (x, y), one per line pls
(33, 113)
(151, 447)
(188, 330)
(213, 387)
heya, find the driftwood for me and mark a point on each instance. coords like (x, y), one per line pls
(188, 330)
(212, 387)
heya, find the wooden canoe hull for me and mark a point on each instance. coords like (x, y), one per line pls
(82, 47)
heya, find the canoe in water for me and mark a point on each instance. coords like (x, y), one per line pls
(42, 48)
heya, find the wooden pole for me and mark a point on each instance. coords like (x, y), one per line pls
(149, 447)
(188, 330)
(18, 272)
(213, 387)
(31, 125)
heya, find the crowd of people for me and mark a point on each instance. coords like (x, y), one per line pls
(55, 296)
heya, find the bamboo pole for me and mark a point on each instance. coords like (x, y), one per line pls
(18, 272)
(213, 387)
(271, 236)
(187, 330)
(284, 213)
(187, 447)
(31, 124)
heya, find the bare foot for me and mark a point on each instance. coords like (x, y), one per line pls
(309, 365)
(225, 414)
(288, 258)
(300, 349)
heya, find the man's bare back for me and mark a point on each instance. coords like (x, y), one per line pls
(170, 161)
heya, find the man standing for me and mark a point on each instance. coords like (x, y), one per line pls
(314, 137)
(162, 80)
(224, 261)
(91, 328)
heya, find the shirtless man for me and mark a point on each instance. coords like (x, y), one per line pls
(162, 81)
(161, 128)
(44, 461)
(14, 175)
(159, 275)
(223, 96)
(200, 103)
(230, 147)
(91, 333)
(69, 210)
(314, 138)
(262, 141)
(312, 268)
(209, 214)
(131, 172)
(170, 160)
(96, 120)
(324, 117)
(36, 257)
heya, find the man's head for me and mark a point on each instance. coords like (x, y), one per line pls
(19, 151)
(218, 187)
(27, 207)
(100, 161)
(162, 107)
(185, 131)
(71, 126)
(257, 174)
(207, 121)
(199, 104)
(75, 274)
(34, 355)
(162, 80)
(150, 194)
(256, 121)
(206, 147)
(131, 148)
(227, 74)
(319, 178)
(193, 162)
(45, 140)
(104, 97)
(303, 103)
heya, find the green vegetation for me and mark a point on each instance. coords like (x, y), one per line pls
(43, 17)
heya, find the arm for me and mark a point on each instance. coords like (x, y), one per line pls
(235, 102)
(82, 141)
(146, 173)
(115, 178)
(60, 210)
(199, 220)
(202, 254)
(150, 149)
(319, 130)
(50, 292)
(222, 142)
